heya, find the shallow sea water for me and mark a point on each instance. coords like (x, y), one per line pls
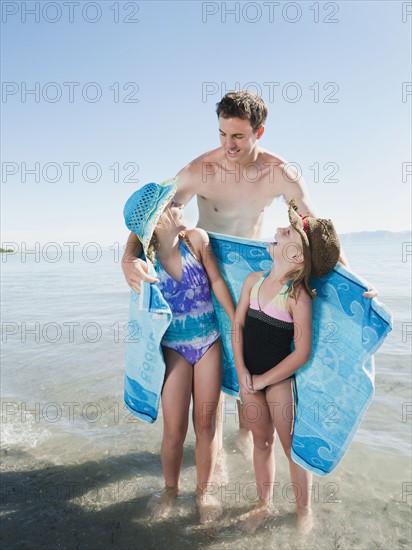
(78, 470)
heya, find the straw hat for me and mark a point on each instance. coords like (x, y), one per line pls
(320, 243)
(144, 208)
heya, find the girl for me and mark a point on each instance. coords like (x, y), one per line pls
(186, 268)
(275, 309)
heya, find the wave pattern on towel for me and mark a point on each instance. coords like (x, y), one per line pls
(333, 390)
(336, 386)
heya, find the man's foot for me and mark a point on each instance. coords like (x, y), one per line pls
(250, 521)
(244, 442)
(220, 473)
(160, 506)
(304, 522)
(209, 507)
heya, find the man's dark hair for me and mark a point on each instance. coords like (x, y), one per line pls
(245, 105)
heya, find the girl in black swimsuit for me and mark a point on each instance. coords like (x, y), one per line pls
(274, 310)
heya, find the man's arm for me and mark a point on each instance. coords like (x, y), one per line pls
(134, 268)
(293, 186)
(186, 183)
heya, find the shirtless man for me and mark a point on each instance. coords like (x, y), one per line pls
(234, 185)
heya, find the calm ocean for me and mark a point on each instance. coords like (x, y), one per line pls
(78, 470)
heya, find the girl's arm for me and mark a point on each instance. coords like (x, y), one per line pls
(203, 249)
(301, 311)
(243, 375)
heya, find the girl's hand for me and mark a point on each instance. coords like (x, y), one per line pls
(245, 381)
(257, 382)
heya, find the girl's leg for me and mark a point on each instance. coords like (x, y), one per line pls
(176, 395)
(207, 374)
(244, 439)
(219, 421)
(280, 399)
(256, 411)
(220, 474)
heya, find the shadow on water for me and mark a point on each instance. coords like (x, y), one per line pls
(96, 504)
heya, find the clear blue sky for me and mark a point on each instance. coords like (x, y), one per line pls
(180, 58)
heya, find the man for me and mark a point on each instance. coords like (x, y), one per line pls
(234, 185)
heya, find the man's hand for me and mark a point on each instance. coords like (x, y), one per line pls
(135, 271)
(371, 293)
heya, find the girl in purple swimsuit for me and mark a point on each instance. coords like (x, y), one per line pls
(187, 269)
(275, 310)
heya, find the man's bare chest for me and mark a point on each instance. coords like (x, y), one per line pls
(230, 194)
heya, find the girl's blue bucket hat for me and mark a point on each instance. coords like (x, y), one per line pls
(144, 208)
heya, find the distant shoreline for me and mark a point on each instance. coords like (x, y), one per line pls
(380, 235)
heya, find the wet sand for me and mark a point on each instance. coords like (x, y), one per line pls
(91, 498)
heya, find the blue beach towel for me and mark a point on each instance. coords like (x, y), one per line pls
(333, 390)
(149, 317)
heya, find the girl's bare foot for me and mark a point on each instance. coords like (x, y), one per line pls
(209, 507)
(304, 522)
(254, 519)
(161, 505)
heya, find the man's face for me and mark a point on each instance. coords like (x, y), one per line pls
(237, 138)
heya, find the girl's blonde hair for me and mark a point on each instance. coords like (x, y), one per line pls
(296, 277)
(151, 249)
(154, 243)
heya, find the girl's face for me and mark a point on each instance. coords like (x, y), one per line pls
(287, 245)
(172, 217)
